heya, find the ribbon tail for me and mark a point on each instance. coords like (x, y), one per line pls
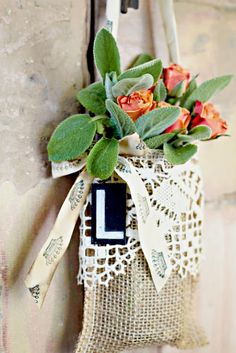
(68, 167)
(153, 244)
(43, 268)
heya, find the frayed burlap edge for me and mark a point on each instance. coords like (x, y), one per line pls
(129, 313)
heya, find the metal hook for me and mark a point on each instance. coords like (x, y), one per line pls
(125, 4)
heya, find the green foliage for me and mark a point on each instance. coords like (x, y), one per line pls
(157, 141)
(106, 53)
(71, 138)
(102, 121)
(200, 132)
(179, 155)
(156, 121)
(192, 86)
(160, 92)
(141, 59)
(75, 135)
(121, 122)
(128, 85)
(206, 90)
(178, 89)
(110, 81)
(100, 127)
(93, 98)
(153, 67)
(103, 158)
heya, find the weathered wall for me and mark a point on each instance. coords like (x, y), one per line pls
(42, 48)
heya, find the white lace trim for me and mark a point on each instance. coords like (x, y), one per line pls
(176, 195)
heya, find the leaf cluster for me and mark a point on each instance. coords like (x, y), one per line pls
(98, 132)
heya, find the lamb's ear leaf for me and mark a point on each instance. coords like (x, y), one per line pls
(128, 85)
(156, 121)
(160, 92)
(201, 132)
(141, 59)
(121, 122)
(93, 98)
(71, 138)
(103, 158)
(106, 53)
(110, 81)
(178, 90)
(206, 90)
(179, 155)
(192, 86)
(157, 141)
(153, 67)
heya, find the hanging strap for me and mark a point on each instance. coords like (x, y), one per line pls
(163, 24)
(112, 15)
(170, 27)
(165, 38)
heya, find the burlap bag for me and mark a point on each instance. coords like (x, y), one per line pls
(122, 308)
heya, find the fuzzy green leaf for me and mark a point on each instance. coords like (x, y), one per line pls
(141, 59)
(121, 122)
(157, 141)
(192, 86)
(160, 92)
(100, 127)
(179, 155)
(106, 53)
(103, 158)
(200, 132)
(128, 85)
(110, 81)
(178, 89)
(156, 121)
(206, 90)
(153, 67)
(93, 98)
(102, 121)
(71, 138)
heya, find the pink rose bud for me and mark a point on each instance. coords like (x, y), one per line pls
(181, 123)
(173, 75)
(206, 114)
(137, 103)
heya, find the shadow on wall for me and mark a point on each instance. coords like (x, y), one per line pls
(47, 209)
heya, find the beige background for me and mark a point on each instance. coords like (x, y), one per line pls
(42, 63)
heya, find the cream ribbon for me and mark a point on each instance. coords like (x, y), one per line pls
(153, 245)
(42, 271)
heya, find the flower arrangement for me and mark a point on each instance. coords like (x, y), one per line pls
(164, 107)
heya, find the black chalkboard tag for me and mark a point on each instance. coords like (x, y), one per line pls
(108, 214)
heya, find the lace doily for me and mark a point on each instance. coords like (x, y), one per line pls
(176, 195)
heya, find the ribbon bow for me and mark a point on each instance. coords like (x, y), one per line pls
(153, 245)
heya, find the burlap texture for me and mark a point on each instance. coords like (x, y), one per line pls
(124, 310)
(129, 313)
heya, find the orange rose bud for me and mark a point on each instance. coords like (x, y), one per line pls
(137, 103)
(206, 114)
(173, 75)
(181, 123)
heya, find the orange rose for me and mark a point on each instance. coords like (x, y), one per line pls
(173, 75)
(206, 114)
(183, 120)
(137, 103)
